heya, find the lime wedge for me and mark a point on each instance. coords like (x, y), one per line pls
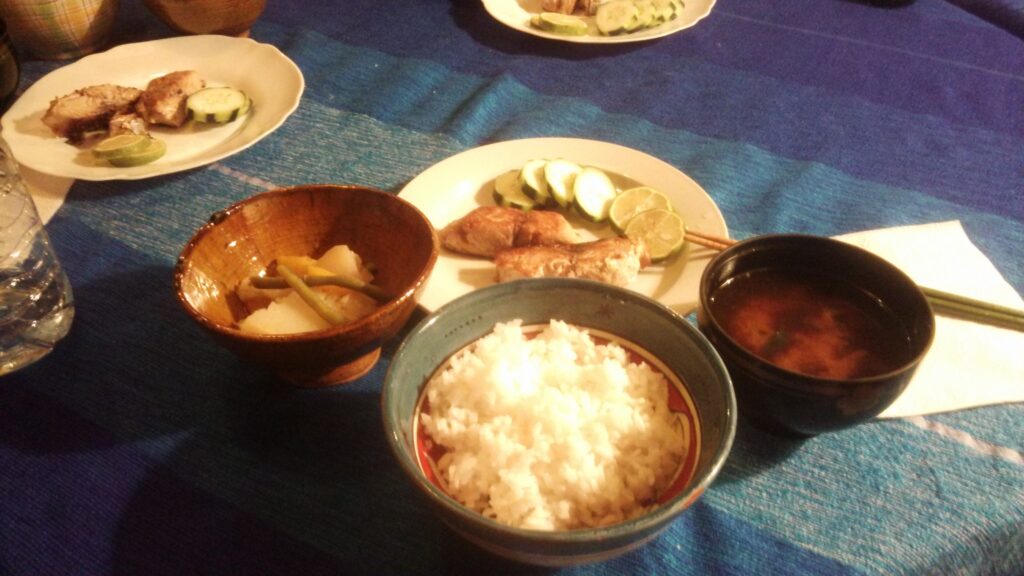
(634, 201)
(154, 149)
(120, 145)
(663, 230)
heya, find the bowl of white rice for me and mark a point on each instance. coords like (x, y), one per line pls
(558, 421)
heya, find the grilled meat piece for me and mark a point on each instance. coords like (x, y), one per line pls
(612, 260)
(127, 123)
(563, 6)
(88, 109)
(163, 102)
(488, 229)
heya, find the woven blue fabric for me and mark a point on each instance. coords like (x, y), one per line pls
(140, 447)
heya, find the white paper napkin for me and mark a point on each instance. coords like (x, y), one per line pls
(969, 364)
(47, 191)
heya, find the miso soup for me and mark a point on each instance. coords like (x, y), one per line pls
(820, 326)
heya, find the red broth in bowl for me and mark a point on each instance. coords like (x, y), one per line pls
(820, 326)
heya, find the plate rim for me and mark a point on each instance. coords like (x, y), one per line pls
(14, 138)
(489, 6)
(411, 189)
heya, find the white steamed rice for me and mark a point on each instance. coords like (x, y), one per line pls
(554, 432)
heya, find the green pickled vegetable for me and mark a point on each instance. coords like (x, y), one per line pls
(309, 297)
(273, 282)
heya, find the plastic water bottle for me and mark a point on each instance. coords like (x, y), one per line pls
(36, 306)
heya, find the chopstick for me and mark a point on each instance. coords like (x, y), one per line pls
(941, 302)
(976, 310)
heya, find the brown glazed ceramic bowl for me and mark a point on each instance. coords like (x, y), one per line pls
(244, 239)
(797, 403)
(227, 17)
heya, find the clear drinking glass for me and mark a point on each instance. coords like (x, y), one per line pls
(36, 306)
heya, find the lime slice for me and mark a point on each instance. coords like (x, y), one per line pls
(631, 202)
(120, 145)
(663, 230)
(154, 149)
(565, 24)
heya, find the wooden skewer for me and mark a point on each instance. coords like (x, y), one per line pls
(709, 241)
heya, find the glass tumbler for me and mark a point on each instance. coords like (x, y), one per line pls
(36, 305)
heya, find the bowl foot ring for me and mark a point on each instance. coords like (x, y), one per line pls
(335, 376)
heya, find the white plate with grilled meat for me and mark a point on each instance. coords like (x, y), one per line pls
(516, 14)
(452, 188)
(270, 78)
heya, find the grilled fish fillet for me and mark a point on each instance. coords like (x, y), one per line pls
(127, 123)
(88, 109)
(163, 102)
(563, 6)
(590, 6)
(489, 229)
(614, 260)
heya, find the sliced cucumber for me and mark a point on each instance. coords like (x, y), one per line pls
(639, 22)
(616, 17)
(657, 18)
(533, 182)
(646, 13)
(509, 194)
(218, 105)
(565, 24)
(593, 194)
(666, 9)
(634, 24)
(677, 8)
(560, 175)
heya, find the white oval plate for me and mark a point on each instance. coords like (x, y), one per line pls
(516, 14)
(453, 187)
(270, 78)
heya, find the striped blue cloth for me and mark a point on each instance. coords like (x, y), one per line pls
(139, 447)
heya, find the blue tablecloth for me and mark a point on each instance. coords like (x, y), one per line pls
(139, 447)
